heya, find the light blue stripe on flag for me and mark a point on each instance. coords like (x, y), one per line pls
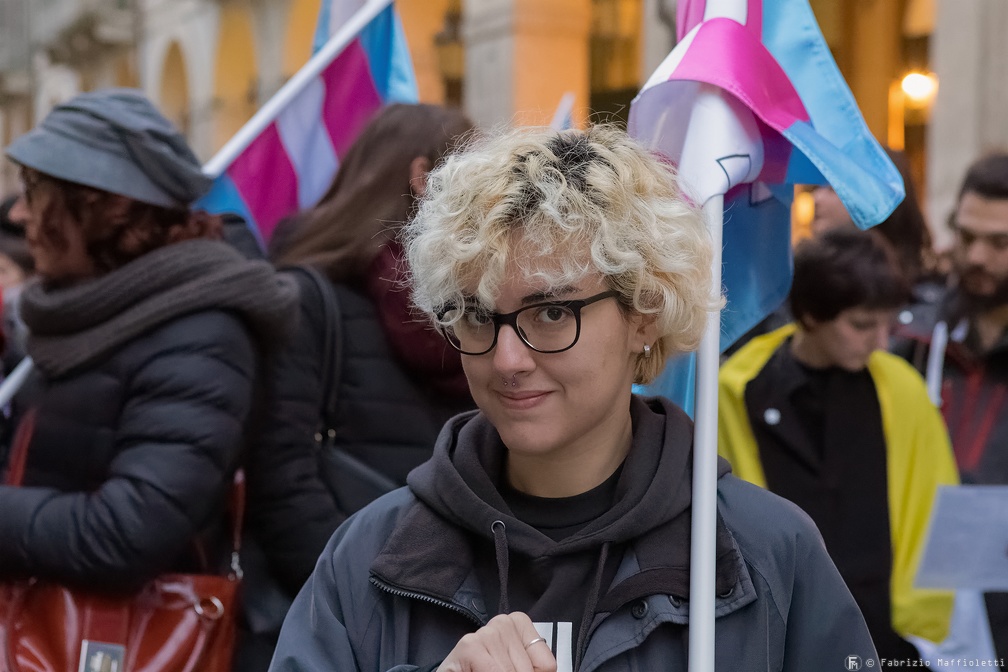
(223, 197)
(384, 41)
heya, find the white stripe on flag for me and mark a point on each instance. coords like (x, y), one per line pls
(736, 10)
(340, 12)
(309, 148)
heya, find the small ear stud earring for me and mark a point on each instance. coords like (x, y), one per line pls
(647, 351)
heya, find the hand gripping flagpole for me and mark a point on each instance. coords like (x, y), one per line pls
(307, 74)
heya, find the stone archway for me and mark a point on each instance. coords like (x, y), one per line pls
(174, 88)
(236, 84)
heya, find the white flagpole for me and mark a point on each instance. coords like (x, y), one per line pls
(312, 69)
(15, 380)
(703, 547)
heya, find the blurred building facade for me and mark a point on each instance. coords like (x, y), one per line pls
(210, 64)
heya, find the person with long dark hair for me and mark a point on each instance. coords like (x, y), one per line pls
(383, 380)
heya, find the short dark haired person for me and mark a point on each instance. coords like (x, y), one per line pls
(820, 414)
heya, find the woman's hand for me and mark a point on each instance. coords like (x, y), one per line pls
(508, 643)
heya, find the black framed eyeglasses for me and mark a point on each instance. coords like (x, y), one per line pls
(547, 327)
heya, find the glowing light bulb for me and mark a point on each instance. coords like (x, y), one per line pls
(920, 87)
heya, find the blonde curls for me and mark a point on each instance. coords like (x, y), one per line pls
(582, 202)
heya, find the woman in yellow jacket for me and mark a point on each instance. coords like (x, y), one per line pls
(820, 414)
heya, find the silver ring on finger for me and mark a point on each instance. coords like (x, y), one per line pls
(534, 641)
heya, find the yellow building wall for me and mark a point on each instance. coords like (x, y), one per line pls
(422, 20)
(235, 73)
(876, 59)
(175, 88)
(300, 34)
(551, 53)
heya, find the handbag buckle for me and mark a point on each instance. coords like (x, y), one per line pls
(237, 573)
(209, 608)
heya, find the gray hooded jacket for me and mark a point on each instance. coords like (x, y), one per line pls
(399, 583)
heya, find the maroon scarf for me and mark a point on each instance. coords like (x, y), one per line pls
(414, 341)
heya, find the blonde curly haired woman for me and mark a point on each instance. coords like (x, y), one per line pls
(550, 530)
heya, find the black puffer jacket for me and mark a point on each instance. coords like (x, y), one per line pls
(133, 454)
(385, 416)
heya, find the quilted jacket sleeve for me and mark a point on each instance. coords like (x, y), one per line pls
(187, 389)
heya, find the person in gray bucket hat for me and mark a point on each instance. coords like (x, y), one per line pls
(146, 331)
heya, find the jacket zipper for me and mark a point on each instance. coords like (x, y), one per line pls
(399, 592)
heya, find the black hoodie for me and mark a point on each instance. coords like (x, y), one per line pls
(557, 582)
(403, 580)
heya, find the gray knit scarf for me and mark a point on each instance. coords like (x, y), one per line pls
(72, 327)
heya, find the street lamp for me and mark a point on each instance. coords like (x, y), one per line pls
(920, 88)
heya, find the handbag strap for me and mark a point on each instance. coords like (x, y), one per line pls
(237, 522)
(332, 353)
(19, 449)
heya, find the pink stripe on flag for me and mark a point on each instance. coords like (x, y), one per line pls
(351, 96)
(266, 180)
(754, 18)
(724, 53)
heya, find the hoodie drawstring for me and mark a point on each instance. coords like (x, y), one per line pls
(499, 531)
(503, 564)
(590, 604)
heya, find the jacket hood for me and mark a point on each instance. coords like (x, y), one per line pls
(459, 481)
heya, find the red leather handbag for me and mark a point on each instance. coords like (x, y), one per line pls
(176, 623)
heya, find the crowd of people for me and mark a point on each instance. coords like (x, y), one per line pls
(425, 380)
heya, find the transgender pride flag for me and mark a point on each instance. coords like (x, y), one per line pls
(285, 157)
(748, 104)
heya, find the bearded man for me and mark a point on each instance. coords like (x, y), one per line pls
(961, 343)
